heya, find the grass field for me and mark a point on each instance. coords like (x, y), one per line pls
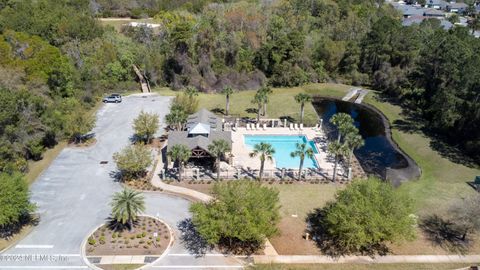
(281, 103)
(442, 180)
(399, 266)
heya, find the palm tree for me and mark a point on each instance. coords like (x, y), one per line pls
(266, 92)
(302, 98)
(264, 151)
(353, 141)
(302, 151)
(344, 123)
(217, 149)
(227, 91)
(258, 100)
(338, 150)
(126, 206)
(180, 153)
(176, 118)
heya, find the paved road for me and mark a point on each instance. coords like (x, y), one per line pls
(73, 197)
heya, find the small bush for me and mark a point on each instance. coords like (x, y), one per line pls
(150, 237)
(132, 237)
(126, 242)
(145, 247)
(139, 235)
(149, 242)
(114, 235)
(92, 241)
(158, 239)
(102, 240)
(144, 234)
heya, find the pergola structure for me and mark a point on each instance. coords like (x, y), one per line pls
(201, 130)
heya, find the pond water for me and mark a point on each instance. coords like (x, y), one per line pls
(378, 156)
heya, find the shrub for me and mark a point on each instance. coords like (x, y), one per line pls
(365, 215)
(144, 234)
(126, 242)
(101, 240)
(114, 235)
(145, 125)
(92, 241)
(139, 235)
(133, 161)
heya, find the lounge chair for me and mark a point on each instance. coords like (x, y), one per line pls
(247, 126)
(264, 126)
(301, 126)
(295, 127)
(291, 126)
(258, 126)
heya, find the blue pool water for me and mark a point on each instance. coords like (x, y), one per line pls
(283, 146)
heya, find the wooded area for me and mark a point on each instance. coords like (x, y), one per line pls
(57, 59)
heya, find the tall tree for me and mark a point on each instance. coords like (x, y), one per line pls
(264, 151)
(259, 100)
(126, 206)
(343, 122)
(14, 200)
(218, 148)
(180, 153)
(227, 91)
(302, 98)
(176, 118)
(266, 92)
(302, 151)
(145, 125)
(353, 141)
(338, 150)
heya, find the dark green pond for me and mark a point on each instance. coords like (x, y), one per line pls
(379, 155)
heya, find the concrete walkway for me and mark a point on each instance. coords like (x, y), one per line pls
(350, 94)
(389, 259)
(361, 96)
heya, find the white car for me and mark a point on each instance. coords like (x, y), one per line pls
(115, 98)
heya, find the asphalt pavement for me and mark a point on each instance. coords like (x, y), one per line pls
(74, 193)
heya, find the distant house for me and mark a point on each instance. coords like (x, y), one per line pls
(409, 11)
(419, 19)
(202, 129)
(434, 13)
(436, 4)
(454, 7)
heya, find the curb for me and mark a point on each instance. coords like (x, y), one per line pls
(93, 266)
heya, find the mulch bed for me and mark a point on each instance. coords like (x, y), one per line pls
(139, 241)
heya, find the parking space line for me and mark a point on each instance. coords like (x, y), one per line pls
(34, 246)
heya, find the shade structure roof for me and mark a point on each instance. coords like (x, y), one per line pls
(199, 128)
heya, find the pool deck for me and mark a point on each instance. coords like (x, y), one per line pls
(241, 151)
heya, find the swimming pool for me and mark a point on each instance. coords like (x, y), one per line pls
(284, 145)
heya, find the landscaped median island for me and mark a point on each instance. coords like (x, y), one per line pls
(128, 236)
(149, 236)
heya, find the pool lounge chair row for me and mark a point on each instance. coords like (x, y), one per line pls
(296, 126)
(256, 127)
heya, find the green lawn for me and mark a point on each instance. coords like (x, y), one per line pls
(400, 266)
(281, 103)
(442, 180)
